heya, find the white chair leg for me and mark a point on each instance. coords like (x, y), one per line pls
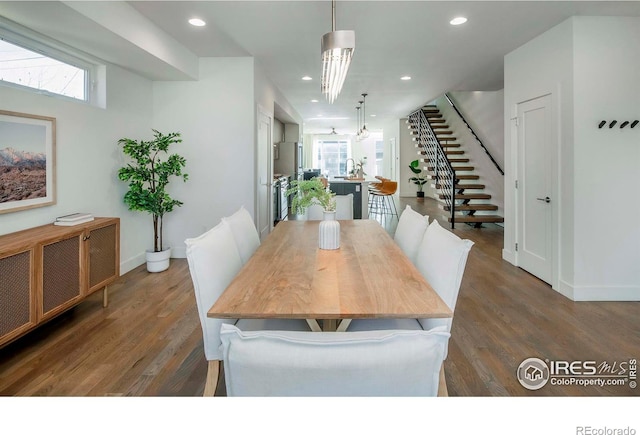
(213, 372)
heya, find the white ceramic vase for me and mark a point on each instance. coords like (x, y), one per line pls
(329, 231)
(158, 261)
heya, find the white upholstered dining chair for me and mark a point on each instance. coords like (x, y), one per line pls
(373, 363)
(344, 207)
(214, 261)
(410, 231)
(441, 259)
(244, 233)
(315, 212)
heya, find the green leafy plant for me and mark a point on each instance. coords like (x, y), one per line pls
(306, 191)
(148, 176)
(418, 179)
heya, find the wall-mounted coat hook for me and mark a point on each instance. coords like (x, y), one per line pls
(634, 123)
(624, 124)
(602, 123)
(612, 123)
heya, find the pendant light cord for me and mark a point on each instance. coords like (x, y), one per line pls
(333, 15)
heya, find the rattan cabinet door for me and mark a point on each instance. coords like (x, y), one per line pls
(103, 256)
(61, 275)
(17, 295)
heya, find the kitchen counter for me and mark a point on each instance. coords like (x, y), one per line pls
(357, 187)
(349, 180)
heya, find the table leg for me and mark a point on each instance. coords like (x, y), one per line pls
(344, 324)
(313, 324)
(329, 325)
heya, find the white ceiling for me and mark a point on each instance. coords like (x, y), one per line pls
(393, 38)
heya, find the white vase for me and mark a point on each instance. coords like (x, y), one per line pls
(329, 231)
(158, 261)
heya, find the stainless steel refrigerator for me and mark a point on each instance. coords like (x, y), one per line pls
(288, 159)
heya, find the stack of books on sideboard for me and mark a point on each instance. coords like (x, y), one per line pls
(73, 219)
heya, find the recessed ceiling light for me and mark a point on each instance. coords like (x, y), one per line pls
(457, 21)
(197, 22)
(405, 78)
(373, 116)
(306, 78)
(314, 101)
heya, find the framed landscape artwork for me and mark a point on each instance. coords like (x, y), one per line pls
(27, 161)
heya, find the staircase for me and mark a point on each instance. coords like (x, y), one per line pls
(457, 184)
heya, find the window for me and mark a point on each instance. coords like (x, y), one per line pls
(379, 156)
(331, 156)
(28, 68)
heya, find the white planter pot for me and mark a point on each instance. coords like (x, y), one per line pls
(329, 231)
(158, 261)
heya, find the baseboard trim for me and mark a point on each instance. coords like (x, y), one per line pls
(599, 293)
(132, 263)
(509, 256)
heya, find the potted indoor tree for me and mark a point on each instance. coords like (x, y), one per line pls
(148, 175)
(418, 179)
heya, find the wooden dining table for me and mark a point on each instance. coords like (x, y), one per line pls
(289, 277)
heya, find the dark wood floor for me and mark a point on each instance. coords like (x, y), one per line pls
(148, 342)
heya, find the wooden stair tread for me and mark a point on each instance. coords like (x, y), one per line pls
(479, 218)
(433, 115)
(468, 196)
(455, 168)
(436, 120)
(464, 186)
(447, 152)
(450, 145)
(452, 160)
(439, 126)
(472, 207)
(441, 132)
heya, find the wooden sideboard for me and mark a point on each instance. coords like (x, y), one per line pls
(48, 269)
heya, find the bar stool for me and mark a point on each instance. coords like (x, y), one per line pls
(382, 199)
(373, 188)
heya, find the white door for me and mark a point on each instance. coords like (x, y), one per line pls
(535, 150)
(393, 159)
(264, 197)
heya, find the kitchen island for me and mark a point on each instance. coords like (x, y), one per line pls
(360, 190)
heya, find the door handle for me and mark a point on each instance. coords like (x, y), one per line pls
(546, 199)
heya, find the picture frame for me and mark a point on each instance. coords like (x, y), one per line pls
(27, 161)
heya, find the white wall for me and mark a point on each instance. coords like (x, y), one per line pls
(484, 111)
(607, 87)
(589, 66)
(543, 66)
(278, 131)
(408, 153)
(215, 116)
(88, 158)
(391, 133)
